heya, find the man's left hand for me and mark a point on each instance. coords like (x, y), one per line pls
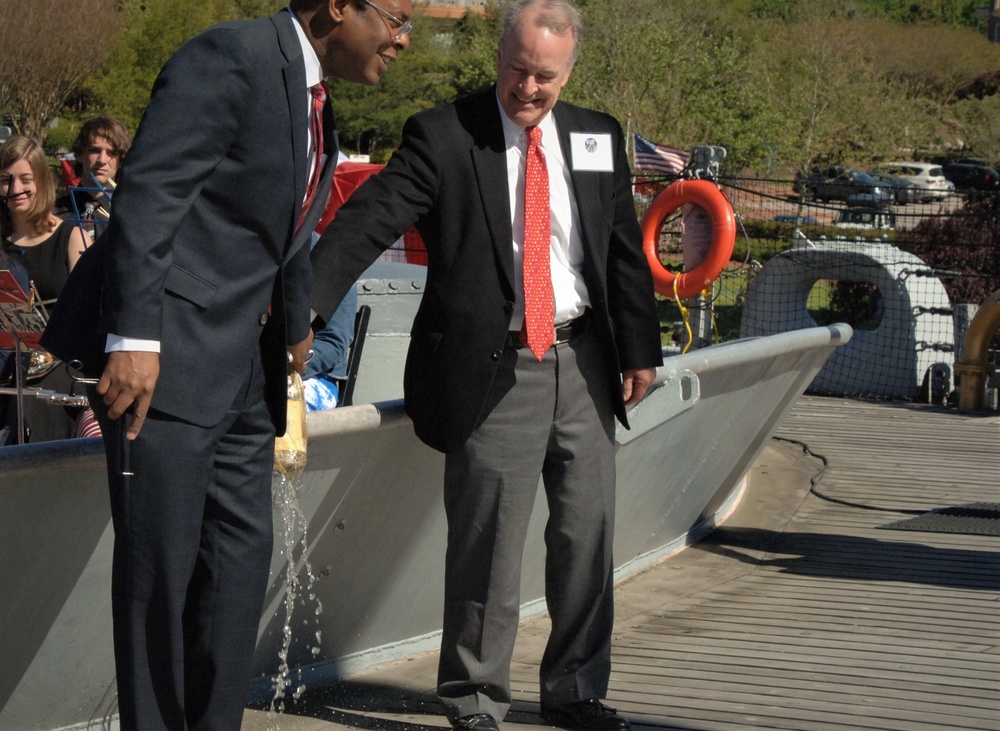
(635, 381)
(300, 353)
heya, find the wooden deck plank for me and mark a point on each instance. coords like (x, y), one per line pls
(799, 613)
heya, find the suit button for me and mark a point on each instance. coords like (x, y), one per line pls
(263, 319)
(508, 306)
(497, 354)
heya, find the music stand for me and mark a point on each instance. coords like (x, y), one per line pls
(21, 326)
(80, 220)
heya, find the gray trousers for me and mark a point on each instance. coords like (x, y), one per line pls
(552, 419)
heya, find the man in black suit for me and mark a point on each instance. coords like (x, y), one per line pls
(206, 291)
(502, 413)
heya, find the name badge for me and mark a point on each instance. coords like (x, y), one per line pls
(591, 151)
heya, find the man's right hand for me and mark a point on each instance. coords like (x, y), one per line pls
(129, 378)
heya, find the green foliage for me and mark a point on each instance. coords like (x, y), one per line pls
(154, 29)
(786, 10)
(62, 135)
(980, 120)
(859, 304)
(946, 12)
(685, 82)
(476, 38)
(759, 248)
(441, 64)
(370, 118)
(781, 84)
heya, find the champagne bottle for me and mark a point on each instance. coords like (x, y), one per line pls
(290, 449)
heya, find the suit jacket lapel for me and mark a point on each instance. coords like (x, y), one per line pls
(294, 74)
(489, 161)
(295, 89)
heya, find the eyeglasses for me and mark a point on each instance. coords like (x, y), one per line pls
(403, 27)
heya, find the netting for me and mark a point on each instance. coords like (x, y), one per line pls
(908, 279)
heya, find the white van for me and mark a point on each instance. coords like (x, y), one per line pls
(929, 178)
(865, 218)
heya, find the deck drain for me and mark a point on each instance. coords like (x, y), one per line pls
(974, 518)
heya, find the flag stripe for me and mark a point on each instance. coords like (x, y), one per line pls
(652, 157)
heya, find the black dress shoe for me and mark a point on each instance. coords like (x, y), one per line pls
(588, 715)
(476, 722)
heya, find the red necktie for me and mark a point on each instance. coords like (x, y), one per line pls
(539, 301)
(316, 127)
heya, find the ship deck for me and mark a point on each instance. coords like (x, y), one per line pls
(807, 610)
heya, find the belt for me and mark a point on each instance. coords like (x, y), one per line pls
(561, 333)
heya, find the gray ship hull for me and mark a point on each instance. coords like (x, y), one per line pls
(376, 529)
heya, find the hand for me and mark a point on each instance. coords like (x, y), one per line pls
(300, 353)
(635, 381)
(129, 379)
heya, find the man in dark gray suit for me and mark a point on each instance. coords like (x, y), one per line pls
(206, 290)
(503, 414)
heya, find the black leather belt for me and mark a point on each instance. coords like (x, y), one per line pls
(560, 333)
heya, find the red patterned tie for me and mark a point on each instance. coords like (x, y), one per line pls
(316, 127)
(539, 301)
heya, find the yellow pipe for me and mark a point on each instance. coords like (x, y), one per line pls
(975, 368)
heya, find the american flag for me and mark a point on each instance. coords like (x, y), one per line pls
(652, 157)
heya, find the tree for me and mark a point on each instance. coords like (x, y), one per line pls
(442, 63)
(625, 66)
(476, 40)
(980, 120)
(45, 62)
(933, 62)
(837, 104)
(370, 118)
(950, 12)
(154, 30)
(796, 81)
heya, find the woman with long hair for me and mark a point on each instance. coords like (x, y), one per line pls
(48, 248)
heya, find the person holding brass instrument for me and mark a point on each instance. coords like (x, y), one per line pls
(99, 150)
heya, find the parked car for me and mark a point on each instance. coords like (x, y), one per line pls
(928, 178)
(854, 187)
(967, 176)
(865, 218)
(877, 198)
(903, 191)
(791, 218)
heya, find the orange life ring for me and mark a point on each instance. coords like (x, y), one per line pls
(705, 194)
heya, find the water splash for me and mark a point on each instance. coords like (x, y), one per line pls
(291, 533)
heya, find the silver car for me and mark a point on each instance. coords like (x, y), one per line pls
(928, 177)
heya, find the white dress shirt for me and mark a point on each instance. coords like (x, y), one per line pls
(566, 247)
(314, 75)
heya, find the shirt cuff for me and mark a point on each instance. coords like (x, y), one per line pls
(117, 343)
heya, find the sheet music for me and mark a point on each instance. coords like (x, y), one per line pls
(18, 318)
